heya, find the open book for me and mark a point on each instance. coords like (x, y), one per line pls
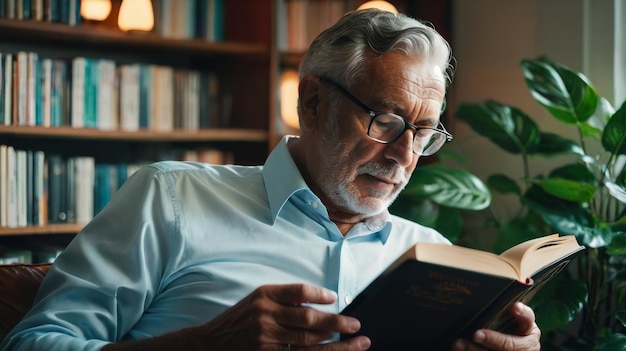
(435, 293)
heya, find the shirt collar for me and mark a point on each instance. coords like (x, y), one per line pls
(283, 179)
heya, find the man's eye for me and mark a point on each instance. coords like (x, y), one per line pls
(384, 125)
(424, 133)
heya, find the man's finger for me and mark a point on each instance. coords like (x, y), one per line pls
(296, 294)
(525, 317)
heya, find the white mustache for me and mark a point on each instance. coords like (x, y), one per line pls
(392, 173)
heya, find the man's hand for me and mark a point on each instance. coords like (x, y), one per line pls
(527, 337)
(273, 316)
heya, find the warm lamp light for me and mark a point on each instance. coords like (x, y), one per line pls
(289, 98)
(381, 5)
(95, 10)
(136, 15)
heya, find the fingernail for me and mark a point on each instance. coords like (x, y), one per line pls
(479, 336)
(365, 343)
(354, 325)
(329, 294)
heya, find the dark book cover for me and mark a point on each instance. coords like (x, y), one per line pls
(423, 304)
(430, 305)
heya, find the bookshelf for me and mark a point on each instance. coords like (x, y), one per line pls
(241, 61)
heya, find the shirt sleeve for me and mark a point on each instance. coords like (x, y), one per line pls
(98, 288)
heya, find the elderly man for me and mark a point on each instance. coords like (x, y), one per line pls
(194, 256)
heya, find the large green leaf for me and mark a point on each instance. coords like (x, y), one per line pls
(456, 188)
(614, 136)
(506, 126)
(617, 191)
(575, 171)
(567, 94)
(594, 126)
(558, 303)
(568, 189)
(567, 217)
(503, 184)
(573, 182)
(553, 144)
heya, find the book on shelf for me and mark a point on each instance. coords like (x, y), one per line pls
(300, 21)
(436, 293)
(99, 93)
(4, 185)
(11, 255)
(186, 19)
(30, 253)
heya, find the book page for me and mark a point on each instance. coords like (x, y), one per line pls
(533, 255)
(460, 257)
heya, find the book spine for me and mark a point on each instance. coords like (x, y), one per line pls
(3, 185)
(79, 66)
(11, 187)
(32, 60)
(29, 188)
(46, 95)
(3, 90)
(21, 191)
(21, 87)
(8, 89)
(129, 97)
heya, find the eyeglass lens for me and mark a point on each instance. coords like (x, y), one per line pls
(387, 128)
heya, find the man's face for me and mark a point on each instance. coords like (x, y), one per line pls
(360, 176)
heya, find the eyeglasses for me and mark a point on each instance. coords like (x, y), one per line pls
(387, 127)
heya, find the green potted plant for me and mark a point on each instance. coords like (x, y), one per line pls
(585, 309)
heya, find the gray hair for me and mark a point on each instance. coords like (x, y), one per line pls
(338, 52)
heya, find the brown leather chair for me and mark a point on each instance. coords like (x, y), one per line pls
(18, 285)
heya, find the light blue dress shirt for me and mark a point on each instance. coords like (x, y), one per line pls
(181, 242)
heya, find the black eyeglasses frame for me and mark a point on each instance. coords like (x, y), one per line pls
(373, 114)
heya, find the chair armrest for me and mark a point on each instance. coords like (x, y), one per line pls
(18, 285)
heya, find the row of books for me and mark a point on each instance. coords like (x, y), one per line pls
(38, 189)
(180, 19)
(56, 11)
(99, 93)
(190, 19)
(300, 21)
(29, 254)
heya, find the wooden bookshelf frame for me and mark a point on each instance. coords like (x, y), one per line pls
(176, 135)
(244, 62)
(61, 36)
(50, 229)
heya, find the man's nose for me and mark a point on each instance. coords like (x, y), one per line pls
(401, 150)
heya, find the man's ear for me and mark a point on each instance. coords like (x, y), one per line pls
(308, 91)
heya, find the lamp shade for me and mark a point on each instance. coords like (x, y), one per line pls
(136, 15)
(95, 10)
(381, 5)
(289, 98)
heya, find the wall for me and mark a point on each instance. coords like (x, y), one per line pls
(491, 37)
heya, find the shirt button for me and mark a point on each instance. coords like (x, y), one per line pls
(314, 204)
(348, 299)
